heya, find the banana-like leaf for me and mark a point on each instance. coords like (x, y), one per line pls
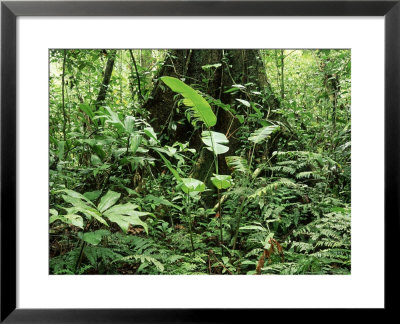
(238, 164)
(262, 134)
(200, 109)
(214, 141)
(221, 181)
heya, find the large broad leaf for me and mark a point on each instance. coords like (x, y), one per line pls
(92, 195)
(149, 131)
(108, 200)
(122, 209)
(221, 181)
(124, 215)
(81, 206)
(88, 212)
(238, 163)
(262, 134)
(214, 141)
(77, 195)
(200, 109)
(114, 119)
(192, 185)
(135, 142)
(95, 237)
(129, 124)
(70, 219)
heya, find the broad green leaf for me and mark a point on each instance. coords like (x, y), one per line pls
(123, 209)
(88, 212)
(124, 221)
(135, 142)
(76, 202)
(192, 185)
(262, 134)
(75, 220)
(214, 141)
(149, 131)
(95, 237)
(129, 124)
(113, 118)
(95, 160)
(126, 214)
(221, 181)
(92, 195)
(108, 200)
(200, 108)
(75, 194)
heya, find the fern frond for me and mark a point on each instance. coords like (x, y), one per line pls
(238, 163)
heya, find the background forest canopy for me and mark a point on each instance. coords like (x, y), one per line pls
(200, 161)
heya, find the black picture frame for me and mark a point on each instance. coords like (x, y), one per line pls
(10, 10)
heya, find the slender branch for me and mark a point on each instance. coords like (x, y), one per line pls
(137, 75)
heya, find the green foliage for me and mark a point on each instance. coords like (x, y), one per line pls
(260, 135)
(221, 181)
(214, 142)
(134, 190)
(199, 107)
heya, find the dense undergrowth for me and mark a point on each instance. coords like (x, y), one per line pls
(123, 196)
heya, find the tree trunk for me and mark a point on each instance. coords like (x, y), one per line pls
(106, 78)
(236, 67)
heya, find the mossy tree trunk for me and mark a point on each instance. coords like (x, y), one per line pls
(234, 67)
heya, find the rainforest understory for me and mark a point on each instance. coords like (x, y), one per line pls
(200, 162)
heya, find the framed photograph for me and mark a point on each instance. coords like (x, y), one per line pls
(162, 159)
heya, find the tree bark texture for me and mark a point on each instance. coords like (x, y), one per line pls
(237, 67)
(111, 54)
